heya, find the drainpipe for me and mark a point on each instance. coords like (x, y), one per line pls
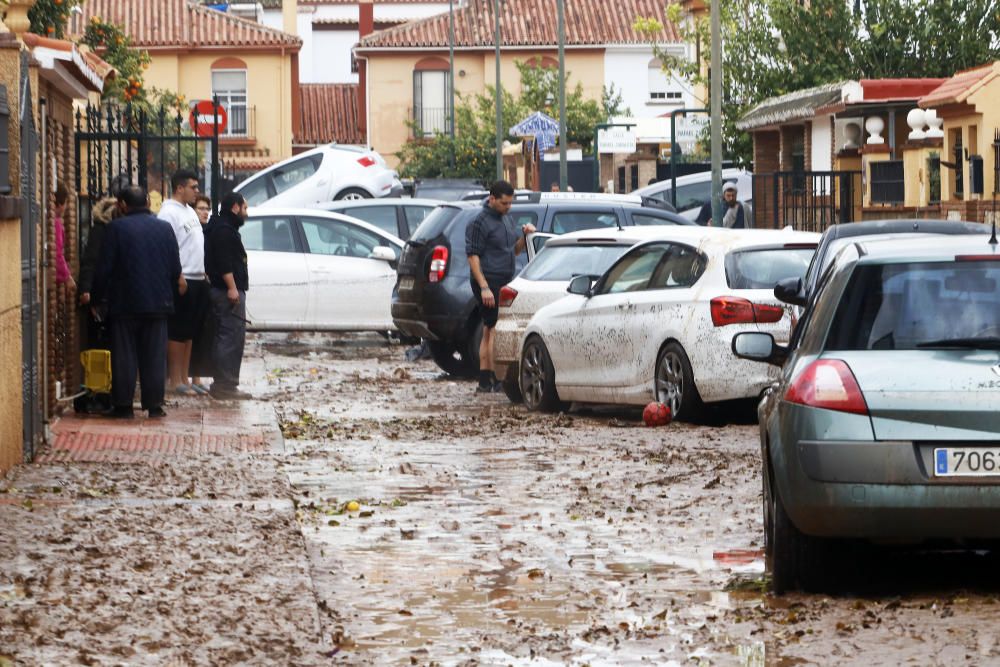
(43, 112)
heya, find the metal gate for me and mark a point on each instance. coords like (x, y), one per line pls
(30, 306)
(135, 145)
(806, 200)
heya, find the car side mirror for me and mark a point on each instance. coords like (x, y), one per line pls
(383, 253)
(789, 290)
(580, 285)
(757, 346)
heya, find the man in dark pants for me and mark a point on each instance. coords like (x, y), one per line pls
(137, 271)
(226, 265)
(491, 243)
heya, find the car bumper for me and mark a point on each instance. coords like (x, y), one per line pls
(868, 489)
(410, 319)
(721, 376)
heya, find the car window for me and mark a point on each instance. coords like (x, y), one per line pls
(293, 173)
(256, 192)
(693, 195)
(434, 224)
(335, 237)
(521, 218)
(563, 262)
(574, 221)
(765, 268)
(273, 234)
(681, 267)
(644, 219)
(635, 269)
(414, 215)
(383, 217)
(907, 306)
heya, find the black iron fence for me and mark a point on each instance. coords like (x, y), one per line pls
(428, 121)
(806, 200)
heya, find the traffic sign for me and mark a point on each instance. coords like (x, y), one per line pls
(206, 117)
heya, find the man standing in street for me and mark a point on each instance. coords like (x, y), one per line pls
(226, 263)
(734, 212)
(491, 244)
(137, 272)
(189, 309)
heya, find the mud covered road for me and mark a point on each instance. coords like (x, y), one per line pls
(484, 534)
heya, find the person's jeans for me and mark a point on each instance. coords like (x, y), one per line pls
(230, 337)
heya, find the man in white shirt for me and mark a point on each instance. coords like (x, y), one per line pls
(190, 308)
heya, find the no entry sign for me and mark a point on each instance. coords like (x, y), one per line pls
(206, 116)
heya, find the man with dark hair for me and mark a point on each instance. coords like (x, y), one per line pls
(138, 269)
(226, 263)
(735, 214)
(491, 244)
(189, 309)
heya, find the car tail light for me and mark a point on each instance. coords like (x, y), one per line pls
(439, 264)
(737, 310)
(828, 384)
(367, 161)
(507, 296)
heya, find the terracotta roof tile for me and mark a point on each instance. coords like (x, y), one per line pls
(959, 87)
(329, 112)
(162, 24)
(530, 23)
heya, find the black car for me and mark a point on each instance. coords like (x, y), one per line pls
(432, 299)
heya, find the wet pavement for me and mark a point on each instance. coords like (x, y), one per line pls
(404, 519)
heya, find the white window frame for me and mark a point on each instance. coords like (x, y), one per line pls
(666, 91)
(227, 103)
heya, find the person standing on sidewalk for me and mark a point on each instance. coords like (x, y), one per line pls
(226, 263)
(139, 266)
(491, 244)
(189, 308)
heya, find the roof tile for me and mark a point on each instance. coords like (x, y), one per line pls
(180, 24)
(959, 87)
(530, 23)
(329, 112)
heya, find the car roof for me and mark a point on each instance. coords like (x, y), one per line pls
(728, 174)
(902, 225)
(267, 211)
(929, 248)
(380, 201)
(728, 239)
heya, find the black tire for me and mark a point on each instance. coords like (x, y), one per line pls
(353, 193)
(673, 384)
(447, 358)
(511, 385)
(537, 377)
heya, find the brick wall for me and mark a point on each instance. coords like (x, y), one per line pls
(766, 154)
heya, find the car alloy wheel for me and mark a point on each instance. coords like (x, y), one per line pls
(670, 381)
(538, 378)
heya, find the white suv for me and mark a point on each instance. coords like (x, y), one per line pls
(320, 175)
(694, 190)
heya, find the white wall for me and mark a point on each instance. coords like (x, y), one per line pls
(331, 55)
(822, 140)
(628, 69)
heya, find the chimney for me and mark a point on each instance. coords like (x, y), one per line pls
(366, 26)
(289, 16)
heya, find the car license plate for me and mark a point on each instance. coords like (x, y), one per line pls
(406, 282)
(967, 462)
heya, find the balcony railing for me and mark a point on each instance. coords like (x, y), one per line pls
(429, 121)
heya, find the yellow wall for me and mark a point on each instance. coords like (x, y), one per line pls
(918, 186)
(269, 86)
(948, 155)
(987, 102)
(390, 86)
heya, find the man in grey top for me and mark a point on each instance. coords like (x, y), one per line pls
(491, 244)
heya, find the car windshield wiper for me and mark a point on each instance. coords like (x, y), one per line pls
(988, 343)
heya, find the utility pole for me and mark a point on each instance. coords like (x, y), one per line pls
(499, 95)
(563, 174)
(451, 78)
(716, 106)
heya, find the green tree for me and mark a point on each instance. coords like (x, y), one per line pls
(49, 17)
(116, 48)
(474, 144)
(772, 47)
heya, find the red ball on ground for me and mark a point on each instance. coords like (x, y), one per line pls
(656, 414)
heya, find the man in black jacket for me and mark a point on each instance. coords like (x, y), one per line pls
(136, 274)
(226, 266)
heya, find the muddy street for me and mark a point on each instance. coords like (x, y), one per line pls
(485, 534)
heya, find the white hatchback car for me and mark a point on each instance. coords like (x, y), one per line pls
(659, 323)
(544, 281)
(322, 174)
(314, 270)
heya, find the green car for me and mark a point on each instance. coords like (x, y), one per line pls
(885, 423)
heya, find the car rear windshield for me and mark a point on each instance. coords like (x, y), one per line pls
(563, 262)
(434, 224)
(910, 306)
(763, 268)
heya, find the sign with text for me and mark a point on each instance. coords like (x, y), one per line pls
(616, 140)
